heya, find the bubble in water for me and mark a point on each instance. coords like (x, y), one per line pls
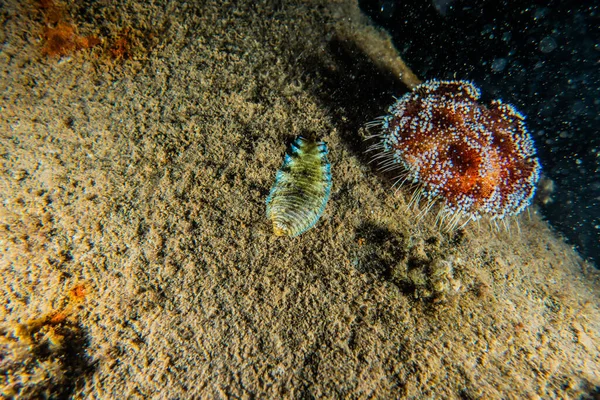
(387, 8)
(499, 64)
(547, 44)
(442, 6)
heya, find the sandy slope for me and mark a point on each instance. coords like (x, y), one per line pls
(143, 182)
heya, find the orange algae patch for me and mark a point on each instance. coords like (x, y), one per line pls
(121, 47)
(57, 318)
(61, 37)
(78, 292)
(62, 40)
(76, 295)
(478, 160)
(52, 13)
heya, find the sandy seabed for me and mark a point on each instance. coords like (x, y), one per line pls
(136, 260)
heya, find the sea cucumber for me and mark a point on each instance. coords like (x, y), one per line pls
(301, 189)
(478, 160)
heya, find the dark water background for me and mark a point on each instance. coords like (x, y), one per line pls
(541, 56)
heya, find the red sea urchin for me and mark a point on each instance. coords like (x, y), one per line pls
(479, 161)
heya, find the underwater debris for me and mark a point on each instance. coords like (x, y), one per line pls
(301, 189)
(478, 160)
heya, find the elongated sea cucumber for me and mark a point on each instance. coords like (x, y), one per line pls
(301, 189)
(478, 160)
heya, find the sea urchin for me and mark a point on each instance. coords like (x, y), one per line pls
(477, 160)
